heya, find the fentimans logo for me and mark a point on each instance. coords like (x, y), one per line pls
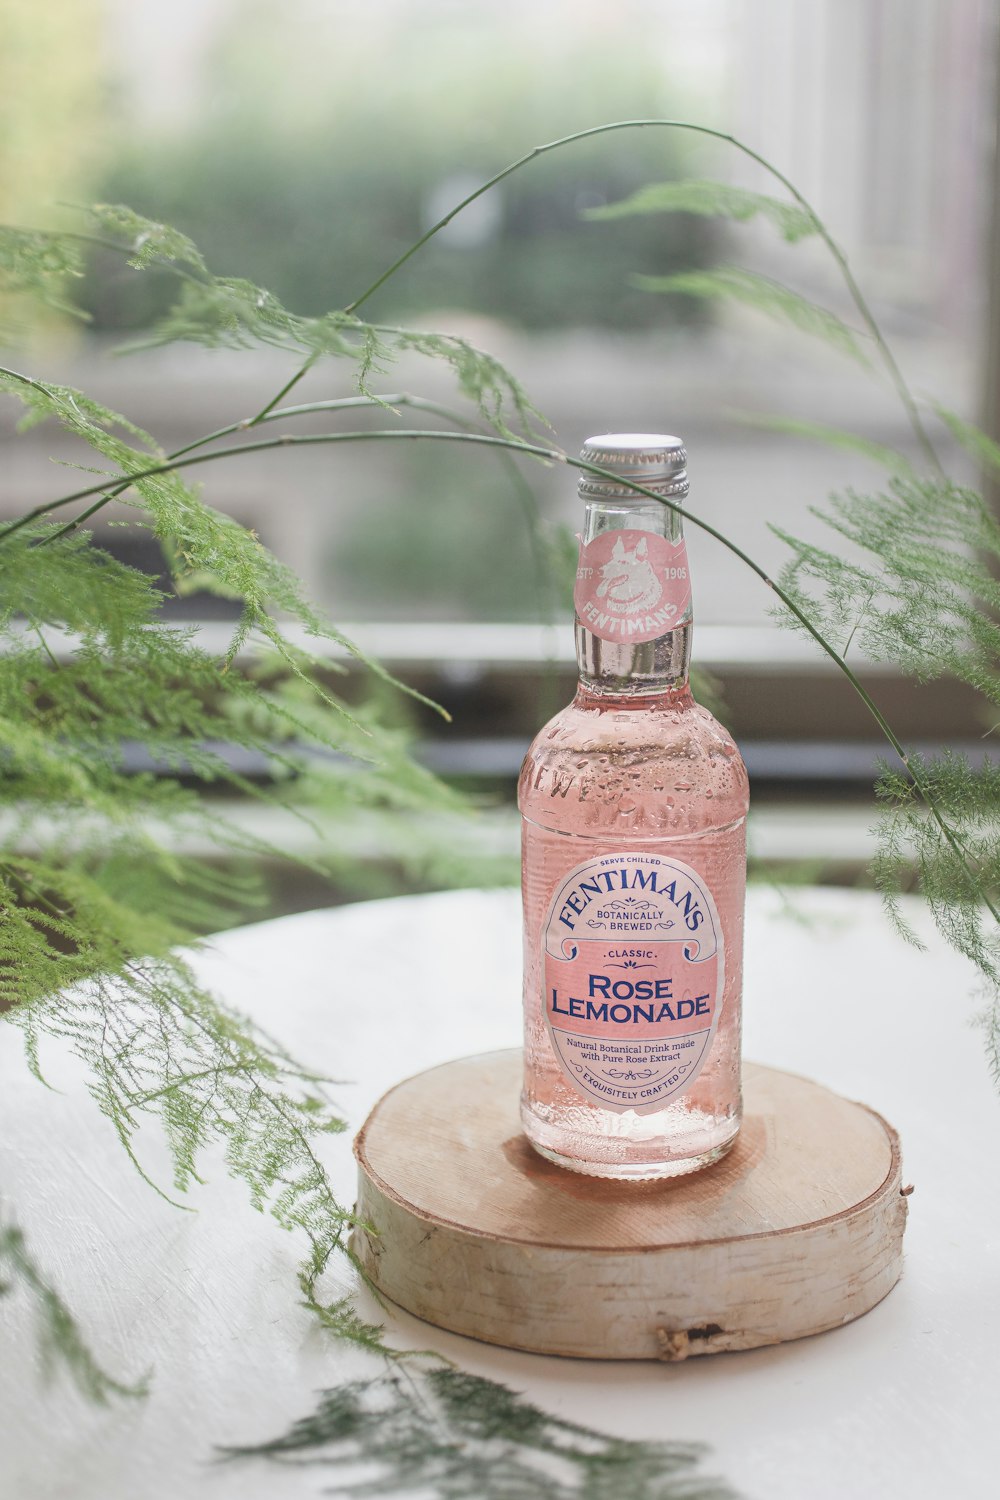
(632, 585)
(598, 886)
(628, 582)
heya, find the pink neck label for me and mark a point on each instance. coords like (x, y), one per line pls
(632, 585)
(633, 966)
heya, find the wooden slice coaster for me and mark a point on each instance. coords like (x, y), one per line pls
(799, 1229)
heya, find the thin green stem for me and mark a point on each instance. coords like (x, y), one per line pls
(112, 488)
(77, 521)
(854, 290)
(286, 440)
(289, 385)
(859, 621)
(46, 647)
(272, 413)
(857, 296)
(184, 457)
(140, 1101)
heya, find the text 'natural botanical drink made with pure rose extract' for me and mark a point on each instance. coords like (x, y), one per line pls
(633, 803)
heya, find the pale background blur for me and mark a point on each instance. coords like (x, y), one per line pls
(304, 144)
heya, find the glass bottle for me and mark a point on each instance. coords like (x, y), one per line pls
(633, 802)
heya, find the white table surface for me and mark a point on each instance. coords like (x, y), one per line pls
(905, 1402)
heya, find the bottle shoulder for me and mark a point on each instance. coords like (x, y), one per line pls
(664, 769)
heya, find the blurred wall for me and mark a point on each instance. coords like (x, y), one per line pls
(53, 95)
(883, 113)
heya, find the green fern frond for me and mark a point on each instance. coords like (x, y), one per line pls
(341, 1317)
(714, 200)
(496, 394)
(920, 593)
(228, 312)
(202, 540)
(733, 283)
(36, 267)
(76, 412)
(231, 312)
(972, 438)
(92, 912)
(956, 854)
(95, 896)
(225, 312)
(146, 240)
(833, 437)
(154, 1043)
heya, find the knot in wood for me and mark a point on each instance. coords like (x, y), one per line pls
(672, 1347)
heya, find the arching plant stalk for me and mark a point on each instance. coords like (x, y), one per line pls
(854, 290)
(316, 1211)
(556, 455)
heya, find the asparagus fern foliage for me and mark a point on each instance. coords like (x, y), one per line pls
(908, 577)
(96, 901)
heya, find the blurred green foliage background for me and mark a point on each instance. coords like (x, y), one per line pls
(309, 179)
(304, 147)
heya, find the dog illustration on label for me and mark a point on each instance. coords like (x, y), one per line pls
(628, 581)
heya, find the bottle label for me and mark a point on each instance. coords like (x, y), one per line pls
(632, 585)
(634, 968)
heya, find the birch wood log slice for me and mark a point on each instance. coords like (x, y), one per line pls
(798, 1230)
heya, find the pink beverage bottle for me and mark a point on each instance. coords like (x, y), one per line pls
(633, 803)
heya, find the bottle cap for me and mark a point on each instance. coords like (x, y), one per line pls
(653, 459)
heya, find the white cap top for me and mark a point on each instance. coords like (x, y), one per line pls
(653, 459)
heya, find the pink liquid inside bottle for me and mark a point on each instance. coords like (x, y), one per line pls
(633, 803)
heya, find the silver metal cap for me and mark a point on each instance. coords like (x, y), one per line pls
(653, 459)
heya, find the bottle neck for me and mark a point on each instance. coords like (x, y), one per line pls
(633, 594)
